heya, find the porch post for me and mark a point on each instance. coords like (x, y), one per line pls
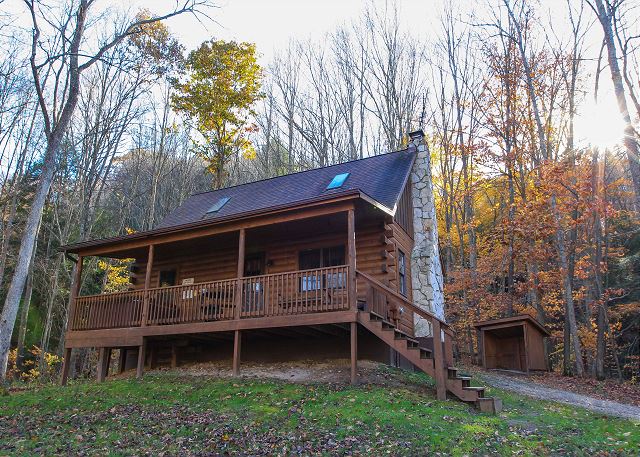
(240, 274)
(438, 361)
(103, 363)
(351, 259)
(75, 290)
(147, 286)
(141, 356)
(237, 341)
(354, 353)
(123, 360)
(66, 363)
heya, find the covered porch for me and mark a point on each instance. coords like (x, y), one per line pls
(253, 277)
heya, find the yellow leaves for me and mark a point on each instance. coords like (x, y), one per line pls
(31, 369)
(222, 84)
(117, 271)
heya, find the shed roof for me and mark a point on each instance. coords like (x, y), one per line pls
(514, 320)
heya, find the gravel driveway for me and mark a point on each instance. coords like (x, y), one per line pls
(530, 389)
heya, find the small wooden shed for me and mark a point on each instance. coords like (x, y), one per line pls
(512, 343)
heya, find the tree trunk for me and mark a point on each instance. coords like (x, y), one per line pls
(605, 17)
(12, 301)
(24, 315)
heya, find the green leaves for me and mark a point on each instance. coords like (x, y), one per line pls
(221, 83)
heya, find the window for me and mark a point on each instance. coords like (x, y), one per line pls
(168, 278)
(318, 258)
(218, 205)
(402, 273)
(338, 181)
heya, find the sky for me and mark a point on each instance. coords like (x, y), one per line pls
(271, 24)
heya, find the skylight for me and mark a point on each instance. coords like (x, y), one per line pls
(218, 205)
(338, 181)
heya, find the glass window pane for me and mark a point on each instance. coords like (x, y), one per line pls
(338, 181)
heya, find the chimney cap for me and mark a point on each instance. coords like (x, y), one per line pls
(416, 135)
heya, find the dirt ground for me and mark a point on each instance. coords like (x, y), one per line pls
(306, 372)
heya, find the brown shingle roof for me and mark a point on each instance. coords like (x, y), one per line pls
(380, 177)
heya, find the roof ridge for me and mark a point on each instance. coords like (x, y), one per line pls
(299, 172)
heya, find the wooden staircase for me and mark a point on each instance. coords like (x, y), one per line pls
(424, 358)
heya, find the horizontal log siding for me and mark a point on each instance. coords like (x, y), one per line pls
(213, 266)
(404, 242)
(281, 255)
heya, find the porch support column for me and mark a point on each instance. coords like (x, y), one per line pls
(240, 274)
(123, 360)
(237, 341)
(147, 286)
(75, 291)
(354, 353)
(103, 363)
(438, 361)
(141, 356)
(351, 259)
(66, 363)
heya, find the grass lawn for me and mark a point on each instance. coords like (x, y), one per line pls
(186, 415)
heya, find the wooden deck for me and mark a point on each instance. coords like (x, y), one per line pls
(304, 297)
(298, 298)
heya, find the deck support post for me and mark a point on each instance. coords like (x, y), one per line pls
(237, 342)
(103, 363)
(66, 364)
(122, 361)
(438, 361)
(351, 259)
(153, 356)
(141, 356)
(240, 273)
(174, 356)
(354, 353)
(147, 286)
(75, 291)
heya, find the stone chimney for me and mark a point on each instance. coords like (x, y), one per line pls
(426, 271)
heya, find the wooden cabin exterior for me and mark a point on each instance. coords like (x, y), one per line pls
(322, 254)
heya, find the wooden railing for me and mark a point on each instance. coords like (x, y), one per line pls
(202, 302)
(390, 304)
(120, 309)
(297, 292)
(280, 294)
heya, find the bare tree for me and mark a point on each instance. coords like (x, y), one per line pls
(609, 14)
(57, 83)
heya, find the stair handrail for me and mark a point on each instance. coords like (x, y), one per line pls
(414, 308)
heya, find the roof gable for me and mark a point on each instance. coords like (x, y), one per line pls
(381, 178)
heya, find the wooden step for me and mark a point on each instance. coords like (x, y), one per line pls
(478, 390)
(457, 384)
(400, 335)
(489, 405)
(412, 344)
(388, 326)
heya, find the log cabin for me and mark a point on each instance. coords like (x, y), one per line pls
(335, 262)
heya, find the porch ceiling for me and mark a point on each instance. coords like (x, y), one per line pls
(256, 237)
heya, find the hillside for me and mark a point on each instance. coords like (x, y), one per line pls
(396, 414)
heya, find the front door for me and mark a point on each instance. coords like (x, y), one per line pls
(254, 264)
(253, 291)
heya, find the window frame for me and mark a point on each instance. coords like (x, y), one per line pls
(314, 282)
(402, 273)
